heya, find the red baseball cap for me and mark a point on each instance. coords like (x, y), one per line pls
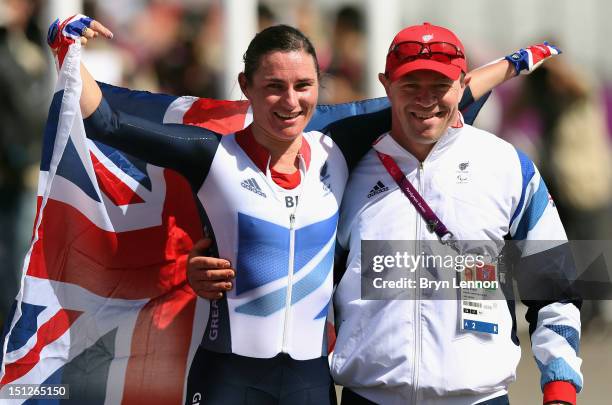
(398, 66)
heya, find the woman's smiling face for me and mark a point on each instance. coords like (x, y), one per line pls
(283, 92)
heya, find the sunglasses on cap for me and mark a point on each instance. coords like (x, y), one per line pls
(443, 52)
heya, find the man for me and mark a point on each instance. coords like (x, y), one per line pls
(465, 184)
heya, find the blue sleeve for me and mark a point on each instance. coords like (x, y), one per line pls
(327, 115)
(545, 276)
(187, 149)
(469, 107)
(354, 135)
(144, 104)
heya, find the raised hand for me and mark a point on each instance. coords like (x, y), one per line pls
(76, 28)
(526, 60)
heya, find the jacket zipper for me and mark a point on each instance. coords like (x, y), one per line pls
(288, 297)
(284, 348)
(417, 298)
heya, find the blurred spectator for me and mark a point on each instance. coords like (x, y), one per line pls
(24, 87)
(183, 69)
(170, 47)
(573, 152)
(265, 17)
(344, 81)
(573, 149)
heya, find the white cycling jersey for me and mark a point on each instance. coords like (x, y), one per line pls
(282, 245)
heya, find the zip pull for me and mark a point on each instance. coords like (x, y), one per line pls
(291, 220)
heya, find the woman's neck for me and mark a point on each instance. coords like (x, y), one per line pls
(283, 153)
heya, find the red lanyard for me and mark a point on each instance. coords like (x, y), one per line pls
(434, 224)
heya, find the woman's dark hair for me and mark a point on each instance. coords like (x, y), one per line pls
(276, 38)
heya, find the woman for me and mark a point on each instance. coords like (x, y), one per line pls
(269, 196)
(269, 213)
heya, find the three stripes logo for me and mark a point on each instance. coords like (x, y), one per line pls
(251, 185)
(378, 188)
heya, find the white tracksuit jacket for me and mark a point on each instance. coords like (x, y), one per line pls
(413, 351)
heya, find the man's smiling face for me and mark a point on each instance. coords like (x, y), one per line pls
(425, 104)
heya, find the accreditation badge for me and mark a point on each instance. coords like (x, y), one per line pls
(479, 290)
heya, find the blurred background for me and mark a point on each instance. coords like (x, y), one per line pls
(561, 115)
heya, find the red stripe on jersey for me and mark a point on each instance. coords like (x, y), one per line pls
(260, 155)
(288, 181)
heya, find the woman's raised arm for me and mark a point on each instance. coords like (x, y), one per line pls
(79, 28)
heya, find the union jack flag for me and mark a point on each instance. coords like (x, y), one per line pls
(104, 305)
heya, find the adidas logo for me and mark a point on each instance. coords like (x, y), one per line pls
(378, 188)
(251, 185)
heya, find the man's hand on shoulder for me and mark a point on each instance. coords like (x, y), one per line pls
(208, 276)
